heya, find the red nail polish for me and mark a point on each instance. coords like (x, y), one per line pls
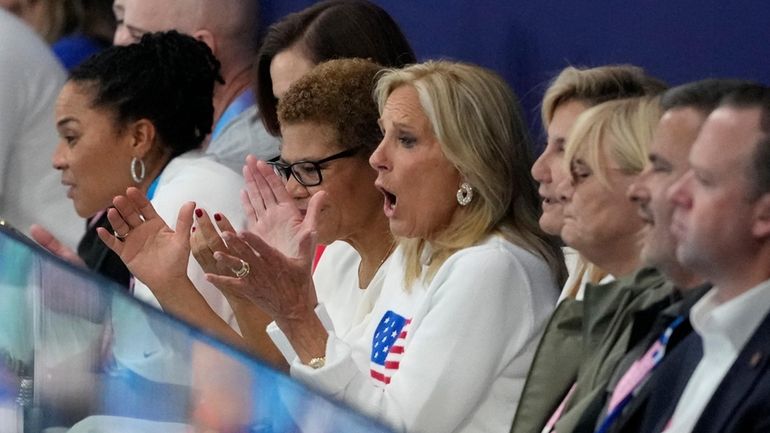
(198, 213)
(193, 229)
(218, 216)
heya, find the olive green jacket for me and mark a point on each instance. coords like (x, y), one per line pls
(582, 343)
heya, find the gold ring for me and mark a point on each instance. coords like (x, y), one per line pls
(243, 271)
(120, 237)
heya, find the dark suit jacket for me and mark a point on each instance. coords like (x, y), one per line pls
(741, 403)
(99, 257)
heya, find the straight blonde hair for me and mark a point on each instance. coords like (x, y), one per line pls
(477, 121)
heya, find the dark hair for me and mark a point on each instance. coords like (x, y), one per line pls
(331, 29)
(167, 78)
(337, 93)
(755, 96)
(703, 95)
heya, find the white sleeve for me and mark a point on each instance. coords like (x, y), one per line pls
(478, 323)
(214, 190)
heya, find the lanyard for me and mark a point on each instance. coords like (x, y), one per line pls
(655, 354)
(238, 106)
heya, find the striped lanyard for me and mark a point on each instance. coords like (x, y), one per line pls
(629, 385)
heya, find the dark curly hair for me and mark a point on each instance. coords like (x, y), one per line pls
(337, 93)
(331, 29)
(167, 78)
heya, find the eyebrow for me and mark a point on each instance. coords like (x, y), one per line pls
(66, 120)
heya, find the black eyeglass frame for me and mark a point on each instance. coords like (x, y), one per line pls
(285, 170)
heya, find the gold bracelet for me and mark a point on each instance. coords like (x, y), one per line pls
(317, 363)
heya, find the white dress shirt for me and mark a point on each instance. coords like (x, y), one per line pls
(725, 329)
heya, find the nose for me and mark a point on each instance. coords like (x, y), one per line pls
(679, 193)
(59, 159)
(296, 190)
(565, 190)
(638, 192)
(121, 36)
(540, 169)
(378, 160)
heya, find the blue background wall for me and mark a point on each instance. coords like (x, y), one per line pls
(528, 42)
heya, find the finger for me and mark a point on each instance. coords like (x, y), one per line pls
(209, 233)
(248, 209)
(141, 203)
(307, 247)
(117, 222)
(252, 192)
(226, 283)
(111, 241)
(314, 207)
(223, 223)
(128, 212)
(184, 220)
(268, 196)
(229, 264)
(276, 184)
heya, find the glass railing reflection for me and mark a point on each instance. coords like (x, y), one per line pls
(77, 354)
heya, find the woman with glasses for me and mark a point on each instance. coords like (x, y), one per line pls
(329, 127)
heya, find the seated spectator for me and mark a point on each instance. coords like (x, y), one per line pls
(329, 125)
(684, 110)
(606, 150)
(716, 379)
(571, 93)
(470, 252)
(136, 116)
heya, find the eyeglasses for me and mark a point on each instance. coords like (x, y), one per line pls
(308, 173)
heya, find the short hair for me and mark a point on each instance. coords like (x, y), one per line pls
(593, 86)
(703, 96)
(167, 78)
(755, 96)
(337, 93)
(477, 120)
(331, 29)
(627, 123)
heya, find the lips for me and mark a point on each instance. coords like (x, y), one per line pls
(390, 200)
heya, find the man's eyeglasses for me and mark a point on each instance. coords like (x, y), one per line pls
(308, 173)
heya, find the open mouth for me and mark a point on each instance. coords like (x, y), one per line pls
(390, 202)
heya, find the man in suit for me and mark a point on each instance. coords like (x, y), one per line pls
(685, 109)
(722, 226)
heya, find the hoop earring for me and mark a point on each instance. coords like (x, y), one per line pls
(138, 178)
(464, 194)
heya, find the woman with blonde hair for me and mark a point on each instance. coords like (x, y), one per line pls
(606, 151)
(448, 343)
(570, 94)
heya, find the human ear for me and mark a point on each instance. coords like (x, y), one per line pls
(207, 38)
(143, 137)
(761, 222)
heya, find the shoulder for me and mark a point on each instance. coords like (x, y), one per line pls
(495, 254)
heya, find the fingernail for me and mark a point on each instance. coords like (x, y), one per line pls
(193, 229)
(198, 213)
(218, 216)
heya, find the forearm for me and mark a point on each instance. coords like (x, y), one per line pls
(306, 334)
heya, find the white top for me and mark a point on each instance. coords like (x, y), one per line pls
(448, 356)
(30, 189)
(244, 135)
(725, 329)
(191, 177)
(342, 304)
(157, 352)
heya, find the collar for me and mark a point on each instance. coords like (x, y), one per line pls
(733, 321)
